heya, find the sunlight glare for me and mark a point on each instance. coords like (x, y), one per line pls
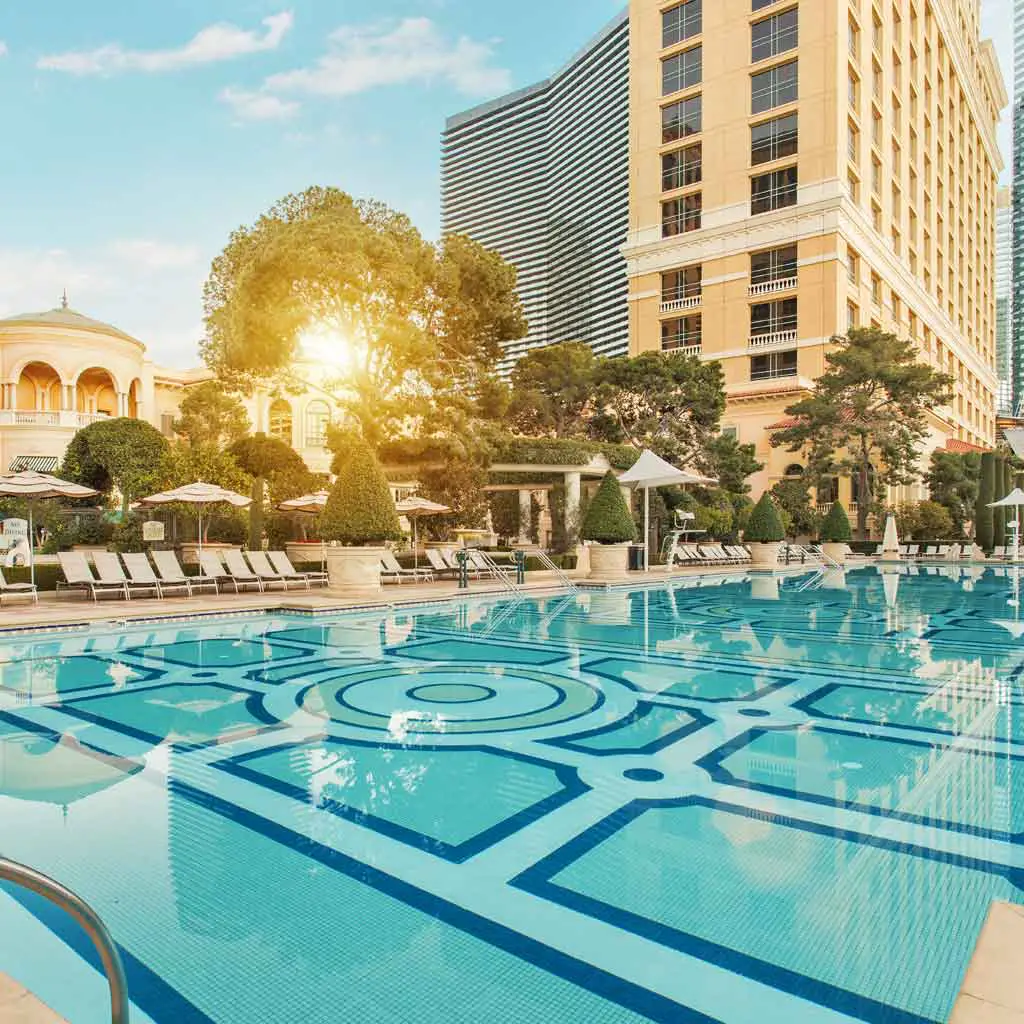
(326, 346)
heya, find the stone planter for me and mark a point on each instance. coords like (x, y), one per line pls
(609, 561)
(582, 560)
(306, 552)
(764, 556)
(834, 552)
(355, 569)
(190, 551)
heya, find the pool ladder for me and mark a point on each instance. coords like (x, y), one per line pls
(87, 918)
(545, 560)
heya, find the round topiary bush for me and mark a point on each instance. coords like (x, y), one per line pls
(764, 525)
(835, 527)
(608, 519)
(360, 510)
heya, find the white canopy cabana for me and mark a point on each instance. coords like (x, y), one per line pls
(649, 471)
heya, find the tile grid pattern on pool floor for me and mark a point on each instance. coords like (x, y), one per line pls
(666, 798)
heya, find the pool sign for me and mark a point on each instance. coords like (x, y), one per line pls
(152, 530)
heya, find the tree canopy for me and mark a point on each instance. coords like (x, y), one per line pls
(276, 462)
(867, 414)
(953, 479)
(552, 388)
(210, 415)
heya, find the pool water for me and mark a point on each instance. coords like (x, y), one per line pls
(758, 799)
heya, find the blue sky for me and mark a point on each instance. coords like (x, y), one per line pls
(139, 134)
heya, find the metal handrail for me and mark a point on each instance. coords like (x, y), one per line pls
(92, 925)
(545, 560)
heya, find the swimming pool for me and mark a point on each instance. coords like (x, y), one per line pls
(753, 800)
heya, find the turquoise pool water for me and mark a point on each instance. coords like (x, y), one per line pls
(755, 800)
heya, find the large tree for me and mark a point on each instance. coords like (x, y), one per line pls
(669, 403)
(551, 390)
(953, 479)
(210, 415)
(422, 325)
(867, 415)
(123, 454)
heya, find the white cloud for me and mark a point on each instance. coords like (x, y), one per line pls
(258, 105)
(214, 43)
(361, 58)
(152, 255)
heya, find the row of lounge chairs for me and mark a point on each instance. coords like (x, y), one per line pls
(129, 574)
(947, 552)
(711, 554)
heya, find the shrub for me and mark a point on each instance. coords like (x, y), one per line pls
(934, 521)
(360, 509)
(716, 520)
(764, 525)
(835, 527)
(92, 530)
(127, 534)
(608, 519)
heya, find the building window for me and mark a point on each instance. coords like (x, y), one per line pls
(876, 289)
(773, 265)
(853, 40)
(852, 142)
(773, 140)
(852, 267)
(680, 215)
(773, 87)
(773, 191)
(773, 317)
(681, 168)
(281, 421)
(681, 119)
(318, 418)
(853, 90)
(681, 71)
(852, 316)
(677, 285)
(773, 364)
(774, 35)
(684, 332)
(681, 22)
(853, 186)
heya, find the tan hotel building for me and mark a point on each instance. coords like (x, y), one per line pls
(797, 168)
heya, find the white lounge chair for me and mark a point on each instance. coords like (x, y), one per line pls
(283, 564)
(17, 590)
(78, 576)
(438, 564)
(390, 569)
(141, 574)
(262, 568)
(171, 574)
(110, 570)
(238, 570)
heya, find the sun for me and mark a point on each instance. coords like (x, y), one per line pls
(327, 347)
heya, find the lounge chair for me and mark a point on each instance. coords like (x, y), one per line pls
(931, 551)
(912, 550)
(283, 564)
(17, 590)
(390, 569)
(212, 568)
(140, 574)
(258, 563)
(110, 570)
(999, 551)
(78, 576)
(171, 574)
(239, 571)
(438, 564)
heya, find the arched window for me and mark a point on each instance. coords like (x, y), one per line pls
(281, 421)
(795, 470)
(318, 418)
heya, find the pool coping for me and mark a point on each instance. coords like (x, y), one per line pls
(18, 1004)
(992, 992)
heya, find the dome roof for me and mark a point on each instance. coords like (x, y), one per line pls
(64, 316)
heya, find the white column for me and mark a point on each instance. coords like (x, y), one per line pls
(525, 515)
(572, 502)
(122, 403)
(11, 395)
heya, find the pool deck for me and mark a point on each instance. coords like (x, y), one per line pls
(19, 1006)
(992, 992)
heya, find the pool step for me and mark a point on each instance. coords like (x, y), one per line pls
(19, 1006)
(993, 990)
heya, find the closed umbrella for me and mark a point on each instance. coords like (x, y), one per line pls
(413, 508)
(201, 495)
(890, 539)
(650, 471)
(39, 486)
(309, 504)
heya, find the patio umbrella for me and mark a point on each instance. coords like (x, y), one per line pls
(413, 508)
(652, 471)
(312, 505)
(201, 495)
(1015, 499)
(37, 486)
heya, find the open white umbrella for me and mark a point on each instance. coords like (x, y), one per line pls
(199, 494)
(414, 507)
(39, 486)
(649, 471)
(310, 504)
(1015, 499)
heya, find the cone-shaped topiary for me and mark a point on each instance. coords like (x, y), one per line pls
(835, 527)
(608, 520)
(764, 525)
(360, 509)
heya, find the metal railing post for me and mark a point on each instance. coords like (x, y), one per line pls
(92, 925)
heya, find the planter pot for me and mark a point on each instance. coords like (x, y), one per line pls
(582, 559)
(355, 568)
(305, 552)
(835, 552)
(764, 588)
(609, 561)
(190, 551)
(764, 556)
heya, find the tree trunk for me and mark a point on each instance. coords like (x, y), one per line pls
(863, 503)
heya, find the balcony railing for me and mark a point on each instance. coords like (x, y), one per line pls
(686, 350)
(674, 305)
(41, 418)
(775, 338)
(781, 284)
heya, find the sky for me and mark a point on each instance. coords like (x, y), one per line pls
(137, 134)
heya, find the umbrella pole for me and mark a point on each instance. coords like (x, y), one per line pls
(31, 547)
(647, 529)
(416, 541)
